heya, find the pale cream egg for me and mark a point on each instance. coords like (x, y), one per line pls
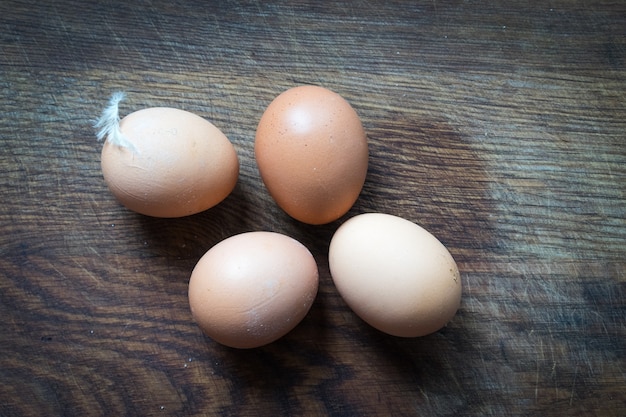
(394, 274)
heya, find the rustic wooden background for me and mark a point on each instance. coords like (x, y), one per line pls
(498, 126)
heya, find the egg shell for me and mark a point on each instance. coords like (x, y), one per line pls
(253, 288)
(312, 153)
(394, 274)
(176, 164)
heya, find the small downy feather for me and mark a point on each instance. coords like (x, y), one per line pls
(108, 125)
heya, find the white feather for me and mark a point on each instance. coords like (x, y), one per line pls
(108, 125)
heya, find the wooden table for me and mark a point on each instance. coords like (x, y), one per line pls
(498, 126)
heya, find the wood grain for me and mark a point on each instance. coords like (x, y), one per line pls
(500, 127)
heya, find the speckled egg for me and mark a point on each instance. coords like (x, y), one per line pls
(312, 153)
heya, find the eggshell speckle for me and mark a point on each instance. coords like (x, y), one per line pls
(176, 163)
(312, 153)
(394, 274)
(253, 288)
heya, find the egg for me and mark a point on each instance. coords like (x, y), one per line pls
(394, 274)
(312, 153)
(252, 288)
(166, 162)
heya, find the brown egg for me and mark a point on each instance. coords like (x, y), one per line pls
(167, 162)
(394, 274)
(253, 288)
(312, 153)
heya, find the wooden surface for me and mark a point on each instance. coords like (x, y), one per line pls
(498, 126)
